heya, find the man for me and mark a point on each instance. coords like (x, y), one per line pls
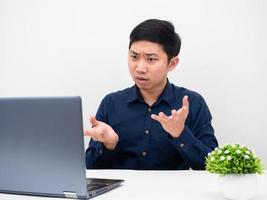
(154, 124)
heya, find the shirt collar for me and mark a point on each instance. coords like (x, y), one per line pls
(134, 94)
(167, 94)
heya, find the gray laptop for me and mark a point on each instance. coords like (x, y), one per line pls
(42, 149)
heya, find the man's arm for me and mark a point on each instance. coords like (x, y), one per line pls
(196, 141)
(102, 146)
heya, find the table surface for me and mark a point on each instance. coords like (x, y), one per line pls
(153, 185)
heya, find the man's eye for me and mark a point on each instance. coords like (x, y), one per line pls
(152, 59)
(134, 57)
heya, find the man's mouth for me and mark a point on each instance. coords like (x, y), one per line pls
(141, 78)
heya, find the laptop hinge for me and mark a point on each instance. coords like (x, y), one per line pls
(70, 195)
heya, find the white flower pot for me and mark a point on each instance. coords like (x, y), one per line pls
(238, 186)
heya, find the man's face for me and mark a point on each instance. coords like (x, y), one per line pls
(148, 65)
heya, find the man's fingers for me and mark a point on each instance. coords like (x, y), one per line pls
(86, 132)
(93, 121)
(174, 114)
(160, 118)
(96, 133)
(163, 117)
(155, 117)
(161, 114)
(90, 133)
(185, 102)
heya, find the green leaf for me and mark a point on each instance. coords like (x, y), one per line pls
(236, 159)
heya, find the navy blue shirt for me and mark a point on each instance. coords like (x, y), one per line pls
(143, 143)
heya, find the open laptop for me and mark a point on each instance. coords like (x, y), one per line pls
(42, 149)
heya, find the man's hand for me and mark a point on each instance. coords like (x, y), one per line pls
(102, 132)
(174, 124)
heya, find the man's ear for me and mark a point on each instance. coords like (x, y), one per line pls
(173, 63)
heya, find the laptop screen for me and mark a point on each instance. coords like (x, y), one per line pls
(41, 146)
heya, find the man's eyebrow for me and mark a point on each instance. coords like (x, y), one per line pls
(151, 54)
(148, 54)
(131, 51)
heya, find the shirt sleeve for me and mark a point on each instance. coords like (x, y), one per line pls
(96, 155)
(197, 139)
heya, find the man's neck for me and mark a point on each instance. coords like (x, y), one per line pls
(151, 96)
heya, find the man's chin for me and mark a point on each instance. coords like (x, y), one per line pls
(143, 87)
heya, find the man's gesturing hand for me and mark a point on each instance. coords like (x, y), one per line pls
(102, 132)
(174, 124)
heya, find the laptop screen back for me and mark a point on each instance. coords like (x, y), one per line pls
(41, 146)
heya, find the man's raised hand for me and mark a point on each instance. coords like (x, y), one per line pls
(102, 132)
(174, 124)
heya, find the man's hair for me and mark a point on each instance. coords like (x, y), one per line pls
(158, 31)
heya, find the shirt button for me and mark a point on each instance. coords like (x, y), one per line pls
(100, 151)
(149, 109)
(147, 131)
(182, 145)
(143, 153)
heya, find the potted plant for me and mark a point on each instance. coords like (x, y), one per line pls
(237, 166)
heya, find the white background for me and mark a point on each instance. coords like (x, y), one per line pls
(65, 47)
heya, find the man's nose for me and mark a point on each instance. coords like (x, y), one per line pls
(141, 66)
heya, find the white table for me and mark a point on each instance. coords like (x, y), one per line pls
(153, 185)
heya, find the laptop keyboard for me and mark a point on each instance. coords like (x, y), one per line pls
(93, 186)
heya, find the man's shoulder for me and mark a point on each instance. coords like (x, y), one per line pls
(120, 94)
(196, 100)
(185, 91)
